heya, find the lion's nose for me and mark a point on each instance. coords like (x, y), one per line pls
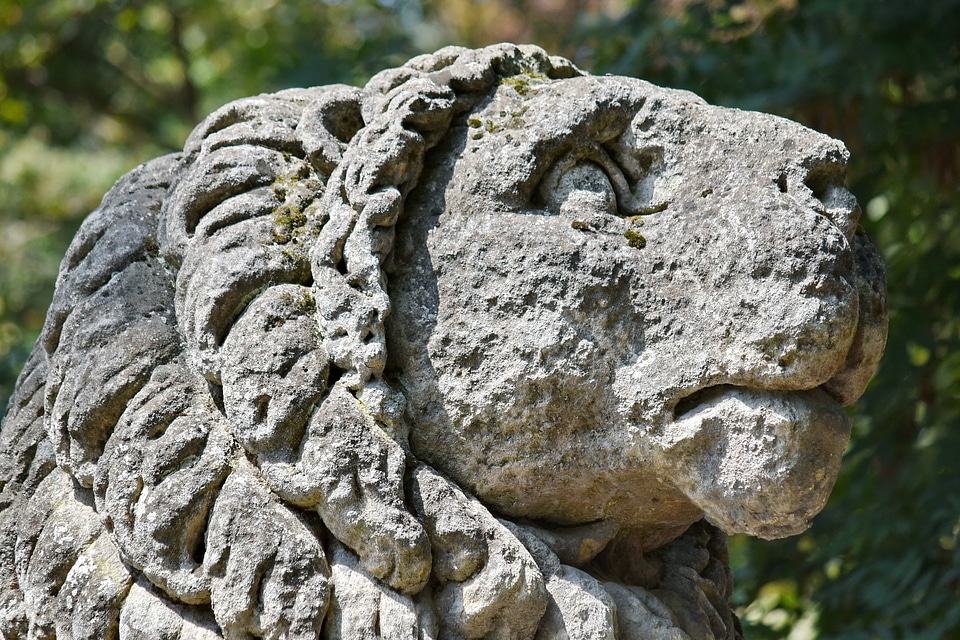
(817, 181)
(824, 188)
(869, 280)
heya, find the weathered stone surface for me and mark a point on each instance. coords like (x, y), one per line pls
(490, 348)
(146, 615)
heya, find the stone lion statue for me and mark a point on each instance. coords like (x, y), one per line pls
(490, 348)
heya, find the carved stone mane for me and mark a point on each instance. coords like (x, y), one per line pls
(490, 348)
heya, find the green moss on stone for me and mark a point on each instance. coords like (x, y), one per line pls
(288, 220)
(523, 83)
(634, 239)
(305, 303)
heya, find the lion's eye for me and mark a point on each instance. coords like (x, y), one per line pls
(588, 182)
(583, 188)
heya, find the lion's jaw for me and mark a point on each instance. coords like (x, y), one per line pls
(760, 462)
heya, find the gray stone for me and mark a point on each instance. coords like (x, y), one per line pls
(490, 348)
(147, 615)
(365, 608)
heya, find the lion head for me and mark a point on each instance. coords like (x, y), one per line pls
(489, 348)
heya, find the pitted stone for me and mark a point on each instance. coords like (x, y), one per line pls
(489, 348)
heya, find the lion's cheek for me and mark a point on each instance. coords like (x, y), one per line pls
(759, 462)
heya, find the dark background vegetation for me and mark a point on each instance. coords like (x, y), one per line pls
(89, 88)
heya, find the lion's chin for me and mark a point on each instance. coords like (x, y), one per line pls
(759, 462)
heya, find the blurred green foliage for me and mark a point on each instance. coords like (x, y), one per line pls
(88, 88)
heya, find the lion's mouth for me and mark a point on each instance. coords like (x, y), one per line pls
(699, 397)
(693, 400)
(761, 457)
(758, 461)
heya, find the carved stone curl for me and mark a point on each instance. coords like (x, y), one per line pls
(490, 348)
